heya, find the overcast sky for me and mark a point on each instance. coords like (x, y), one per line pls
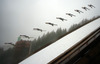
(19, 17)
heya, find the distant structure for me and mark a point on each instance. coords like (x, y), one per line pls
(21, 50)
(85, 8)
(90, 5)
(62, 19)
(38, 29)
(79, 11)
(51, 24)
(70, 14)
(19, 38)
(20, 43)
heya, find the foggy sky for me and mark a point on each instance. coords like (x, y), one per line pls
(19, 17)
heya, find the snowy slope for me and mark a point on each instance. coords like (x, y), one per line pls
(47, 54)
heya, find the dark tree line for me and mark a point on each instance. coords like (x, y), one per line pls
(7, 57)
(16, 54)
(47, 39)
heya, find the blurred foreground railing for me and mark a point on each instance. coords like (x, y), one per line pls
(74, 50)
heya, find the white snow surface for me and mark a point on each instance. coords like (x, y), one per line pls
(52, 51)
